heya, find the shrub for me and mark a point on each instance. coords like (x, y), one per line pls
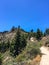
(31, 51)
(47, 43)
(0, 59)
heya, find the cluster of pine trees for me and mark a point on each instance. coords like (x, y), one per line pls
(38, 34)
(16, 46)
(19, 42)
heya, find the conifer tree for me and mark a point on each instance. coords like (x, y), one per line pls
(39, 34)
(17, 42)
(20, 42)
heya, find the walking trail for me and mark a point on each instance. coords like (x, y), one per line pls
(45, 56)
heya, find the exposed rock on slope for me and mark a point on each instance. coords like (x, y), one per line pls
(5, 36)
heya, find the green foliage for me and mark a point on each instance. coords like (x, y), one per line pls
(12, 47)
(8, 44)
(47, 32)
(0, 59)
(19, 43)
(13, 29)
(30, 34)
(19, 47)
(31, 51)
(4, 46)
(40, 43)
(23, 39)
(39, 34)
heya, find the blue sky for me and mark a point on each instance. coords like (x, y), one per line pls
(29, 14)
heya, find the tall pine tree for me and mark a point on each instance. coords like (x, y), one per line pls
(20, 42)
(39, 34)
(17, 42)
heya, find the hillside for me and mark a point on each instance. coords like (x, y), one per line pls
(27, 57)
(9, 35)
(29, 52)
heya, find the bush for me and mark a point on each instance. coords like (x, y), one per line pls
(47, 43)
(4, 46)
(31, 51)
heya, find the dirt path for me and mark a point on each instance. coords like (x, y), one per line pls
(45, 56)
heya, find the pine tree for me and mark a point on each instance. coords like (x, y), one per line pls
(47, 32)
(30, 34)
(23, 43)
(17, 42)
(39, 34)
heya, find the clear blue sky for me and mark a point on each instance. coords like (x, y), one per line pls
(29, 14)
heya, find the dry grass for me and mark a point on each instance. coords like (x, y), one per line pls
(35, 61)
(38, 58)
